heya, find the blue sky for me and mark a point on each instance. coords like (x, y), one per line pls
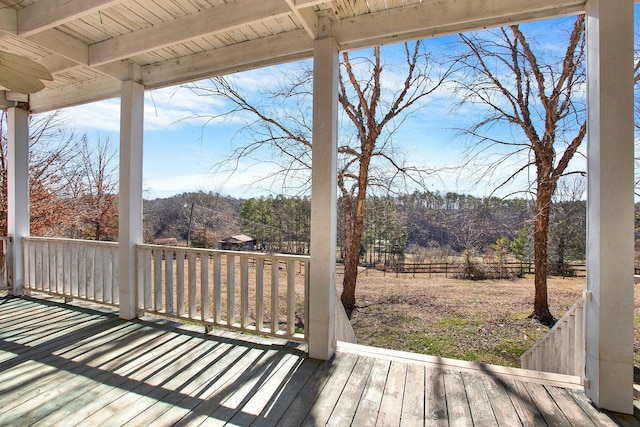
(180, 152)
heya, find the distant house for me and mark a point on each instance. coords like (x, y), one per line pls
(239, 242)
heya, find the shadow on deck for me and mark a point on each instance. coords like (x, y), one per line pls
(72, 364)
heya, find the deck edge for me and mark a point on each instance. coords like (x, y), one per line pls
(496, 371)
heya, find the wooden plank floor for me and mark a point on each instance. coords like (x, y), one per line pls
(69, 364)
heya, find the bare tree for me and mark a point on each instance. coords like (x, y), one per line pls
(51, 147)
(567, 235)
(373, 111)
(96, 175)
(503, 71)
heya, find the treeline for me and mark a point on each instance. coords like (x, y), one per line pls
(424, 224)
(72, 181)
(197, 219)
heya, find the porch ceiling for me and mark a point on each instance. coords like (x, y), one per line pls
(90, 46)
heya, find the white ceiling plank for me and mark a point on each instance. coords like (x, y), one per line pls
(310, 3)
(214, 20)
(75, 94)
(58, 42)
(8, 20)
(243, 56)
(443, 17)
(307, 18)
(57, 64)
(43, 15)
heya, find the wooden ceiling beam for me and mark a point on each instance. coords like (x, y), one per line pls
(75, 94)
(43, 15)
(441, 17)
(209, 21)
(62, 44)
(240, 57)
(307, 18)
(311, 3)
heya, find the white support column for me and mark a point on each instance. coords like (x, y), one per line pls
(130, 198)
(18, 190)
(610, 210)
(323, 200)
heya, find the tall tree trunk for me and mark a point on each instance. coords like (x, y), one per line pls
(540, 238)
(352, 259)
(353, 235)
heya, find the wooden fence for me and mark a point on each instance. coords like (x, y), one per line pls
(451, 268)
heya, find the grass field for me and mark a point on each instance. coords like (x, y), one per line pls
(483, 321)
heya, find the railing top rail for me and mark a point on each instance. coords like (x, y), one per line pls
(74, 241)
(223, 252)
(6, 238)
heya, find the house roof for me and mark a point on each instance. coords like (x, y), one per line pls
(238, 238)
(90, 46)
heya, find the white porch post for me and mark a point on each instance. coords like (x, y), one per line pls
(610, 210)
(130, 198)
(323, 199)
(18, 190)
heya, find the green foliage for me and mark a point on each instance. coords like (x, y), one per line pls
(521, 246)
(385, 235)
(501, 249)
(279, 224)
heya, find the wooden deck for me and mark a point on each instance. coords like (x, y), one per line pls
(69, 364)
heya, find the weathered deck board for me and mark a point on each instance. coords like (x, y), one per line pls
(480, 406)
(328, 398)
(392, 395)
(345, 410)
(413, 402)
(78, 365)
(502, 406)
(370, 403)
(457, 400)
(435, 411)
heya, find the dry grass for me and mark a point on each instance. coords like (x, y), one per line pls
(482, 321)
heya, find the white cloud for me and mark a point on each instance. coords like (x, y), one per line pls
(247, 181)
(101, 116)
(164, 109)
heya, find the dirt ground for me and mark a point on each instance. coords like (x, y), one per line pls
(483, 321)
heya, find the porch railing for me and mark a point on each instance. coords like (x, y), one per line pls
(81, 269)
(258, 293)
(562, 349)
(5, 262)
